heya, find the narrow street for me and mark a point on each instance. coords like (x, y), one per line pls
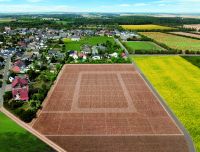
(5, 77)
(122, 46)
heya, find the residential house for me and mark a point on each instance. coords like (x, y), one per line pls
(115, 55)
(75, 38)
(52, 52)
(73, 54)
(20, 89)
(86, 49)
(95, 50)
(18, 67)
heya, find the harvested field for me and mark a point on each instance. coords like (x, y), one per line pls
(100, 108)
(193, 26)
(186, 34)
(174, 41)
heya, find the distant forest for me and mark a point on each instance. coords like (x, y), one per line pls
(75, 20)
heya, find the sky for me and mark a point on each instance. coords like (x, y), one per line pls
(135, 6)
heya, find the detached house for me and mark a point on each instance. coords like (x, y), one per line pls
(18, 67)
(20, 89)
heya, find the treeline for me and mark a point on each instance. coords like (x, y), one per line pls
(32, 24)
(176, 21)
(74, 20)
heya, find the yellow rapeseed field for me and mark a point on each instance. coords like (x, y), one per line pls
(178, 82)
(145, 27)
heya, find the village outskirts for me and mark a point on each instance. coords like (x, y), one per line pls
(37, 56)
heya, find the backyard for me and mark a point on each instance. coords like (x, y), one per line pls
(178, 82)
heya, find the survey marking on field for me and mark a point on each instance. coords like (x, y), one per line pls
(107, 108)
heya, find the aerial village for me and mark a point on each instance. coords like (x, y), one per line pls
(34, 57)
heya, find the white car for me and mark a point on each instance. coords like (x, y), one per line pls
(96, 57)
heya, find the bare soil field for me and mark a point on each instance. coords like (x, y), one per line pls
(186, 34)
(193, 26)
(107, 108)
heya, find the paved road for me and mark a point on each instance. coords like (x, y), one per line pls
(5, 77)
(122, 46)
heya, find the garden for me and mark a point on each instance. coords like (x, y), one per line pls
(41, 79)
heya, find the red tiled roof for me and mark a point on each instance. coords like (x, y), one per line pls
(19, 63)
(16, 69)
(20, 81)
(22, 92)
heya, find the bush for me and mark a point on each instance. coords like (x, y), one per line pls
(13, 105)
(7, 96)
(26, 115)
(1, 83)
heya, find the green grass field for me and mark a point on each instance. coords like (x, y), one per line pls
(146, 27)
(13, 138)
(178, 82)
(88, 40)
(5, 20)
(173, 41)
(195, 60)
(146, 46)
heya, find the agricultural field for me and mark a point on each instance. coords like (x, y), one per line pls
(178, 82)
(173, 41)
(87, 40)
(187, 34)
(195, 60)
(13, 138)
(98, 108)
(5, 20)
(143, 46)
(146, 27)
(193, 26)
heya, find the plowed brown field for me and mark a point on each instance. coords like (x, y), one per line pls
(107, 108)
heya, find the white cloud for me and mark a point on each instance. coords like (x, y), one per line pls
(163, 6)
(34, 8)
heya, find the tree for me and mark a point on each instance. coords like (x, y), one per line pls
(7, 96)
(1, 83)
(32, 74)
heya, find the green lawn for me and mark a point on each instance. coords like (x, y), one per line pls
(173, 41)
(141, 45)
(13, 138)
(178, 82)
(88, 40)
